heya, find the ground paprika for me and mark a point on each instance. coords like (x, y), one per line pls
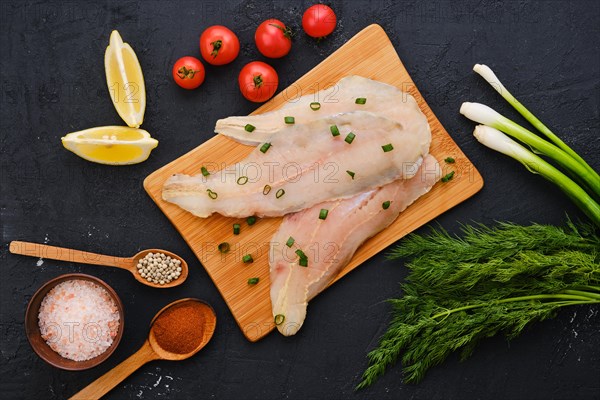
(180, 329)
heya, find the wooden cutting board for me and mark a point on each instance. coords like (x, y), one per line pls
(251, 305)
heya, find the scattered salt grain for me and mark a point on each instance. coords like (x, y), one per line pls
(78, 319)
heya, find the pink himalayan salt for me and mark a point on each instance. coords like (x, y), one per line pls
(78, 319)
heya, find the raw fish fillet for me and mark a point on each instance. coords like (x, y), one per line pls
(329, 244)
(307, 165)
(382, 99)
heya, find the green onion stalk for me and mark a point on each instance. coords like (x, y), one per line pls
(489, 75)
(485, 115)
(498, 141)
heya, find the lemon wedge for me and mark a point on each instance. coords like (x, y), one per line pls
(112, 145)
(125, 81)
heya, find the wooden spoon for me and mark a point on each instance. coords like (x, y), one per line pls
(149, 351)
(78, 256)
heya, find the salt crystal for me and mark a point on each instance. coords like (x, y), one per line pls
(78, 319)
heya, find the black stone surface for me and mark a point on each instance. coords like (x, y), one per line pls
(53, 82)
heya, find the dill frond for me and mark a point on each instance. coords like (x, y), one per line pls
(488, 281)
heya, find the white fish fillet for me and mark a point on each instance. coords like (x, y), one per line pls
(306, 165)
(330, 244)
(382, 99)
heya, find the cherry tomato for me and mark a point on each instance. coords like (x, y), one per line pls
(273, 38)
(258, 81)
(219, 45)
(188, 72)
(319, 21)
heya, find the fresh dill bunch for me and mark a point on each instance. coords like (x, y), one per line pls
(489, 281)
(472, 266)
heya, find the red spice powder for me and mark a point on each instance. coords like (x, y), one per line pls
(180, 328)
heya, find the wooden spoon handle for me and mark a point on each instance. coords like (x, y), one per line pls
(64, 254)
(112, 378)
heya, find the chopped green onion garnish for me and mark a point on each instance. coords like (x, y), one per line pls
(448, 176)
(253, 281)
(280, 193)
(300, 253)
(350, 173)
(279, 318)
(242, 180)
(386, 204)
(224, 247)
(247, 259)
(251, 220)
(315, 105)
(387, 147)
(303, 262)
(265, 147)
(323, 213)
(266, 190)
(361, 100)
(289, 120)
(236, 229)
(449, 160)
(334, 130)
(211, 194)
(290, 242)
(204, 171)
(349, 138)
(249, 128)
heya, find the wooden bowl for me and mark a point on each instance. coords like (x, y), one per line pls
(39, 345)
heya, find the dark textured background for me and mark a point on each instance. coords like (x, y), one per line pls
(547, 52)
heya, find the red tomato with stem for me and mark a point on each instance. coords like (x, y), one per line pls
(258, 81)
(219, 45)
(188, 72)
(319, 21)
(273, 39)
